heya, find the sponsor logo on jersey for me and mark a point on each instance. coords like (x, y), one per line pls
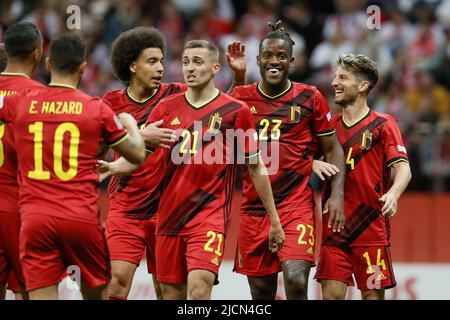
(175, 122)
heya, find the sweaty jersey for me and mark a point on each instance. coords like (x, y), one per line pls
(59, 129)
(371, 146)
(288, 123)
(11, 83)
(201, 168)
(137, 196)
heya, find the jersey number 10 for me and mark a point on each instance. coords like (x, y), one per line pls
(39, 173)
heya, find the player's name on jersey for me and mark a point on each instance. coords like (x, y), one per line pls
(55, 107)
(7, 92)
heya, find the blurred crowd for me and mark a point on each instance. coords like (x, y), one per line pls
(411, 46)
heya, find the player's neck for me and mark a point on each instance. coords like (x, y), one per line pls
(354, 112)
(138, 92)
(18, 68)
(201, 95)
(273, 90)
(65, 80)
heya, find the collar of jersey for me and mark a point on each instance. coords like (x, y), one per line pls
(55, 84)
(361, 119)
(265, 95)
(141, 102)
(204, 104)
(14, 74)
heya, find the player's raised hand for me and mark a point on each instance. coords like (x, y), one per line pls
(276, 237)
(335, 205)
(390, 204)
(236, 57)
(104, 169)
(157, 136)
(321, 168)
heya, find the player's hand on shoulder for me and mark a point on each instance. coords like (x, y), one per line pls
(154, 135)
(322, 169)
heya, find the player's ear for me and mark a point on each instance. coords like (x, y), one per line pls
(82, 67)
(258, 61)
(133, 67)
(363, 86)
(216, 68)
(291, 63)
(48, 64)
(36, 55)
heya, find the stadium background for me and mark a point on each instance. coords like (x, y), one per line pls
(411, 46)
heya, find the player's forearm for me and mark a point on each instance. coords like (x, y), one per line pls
(122, 167)
(258, 173)
(238, 80)
(402, 178)
(336, 156)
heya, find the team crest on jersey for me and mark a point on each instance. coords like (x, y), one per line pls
(215, 121)
(366, 140)
(295, 113)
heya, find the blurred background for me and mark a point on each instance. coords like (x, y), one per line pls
(411, 47)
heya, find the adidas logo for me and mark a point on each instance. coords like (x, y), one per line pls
(253, 110)
(310, 251)
(215, 261)
(175, 121)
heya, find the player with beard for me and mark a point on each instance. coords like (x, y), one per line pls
(373, 147)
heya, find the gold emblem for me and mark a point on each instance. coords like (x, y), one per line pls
(215, 121)
(253, 109)
(295, 113)
(366, 140)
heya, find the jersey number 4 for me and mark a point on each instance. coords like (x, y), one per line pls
(39, 173)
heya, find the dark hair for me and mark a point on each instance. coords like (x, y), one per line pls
(362, 66)
(129, 45)
(2, 57)
(213, 50)
(277, 32)
(67, 52)
(21, 39)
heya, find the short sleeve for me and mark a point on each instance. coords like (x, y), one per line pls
(113, 131)
(8, 107)
(394, 148)
(248, 142)
(322, 116)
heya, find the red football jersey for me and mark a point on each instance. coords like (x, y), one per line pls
(370, 147)
(58, 130)
(137, 196)
(289, 120)
(11, 83)
(201, 168)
